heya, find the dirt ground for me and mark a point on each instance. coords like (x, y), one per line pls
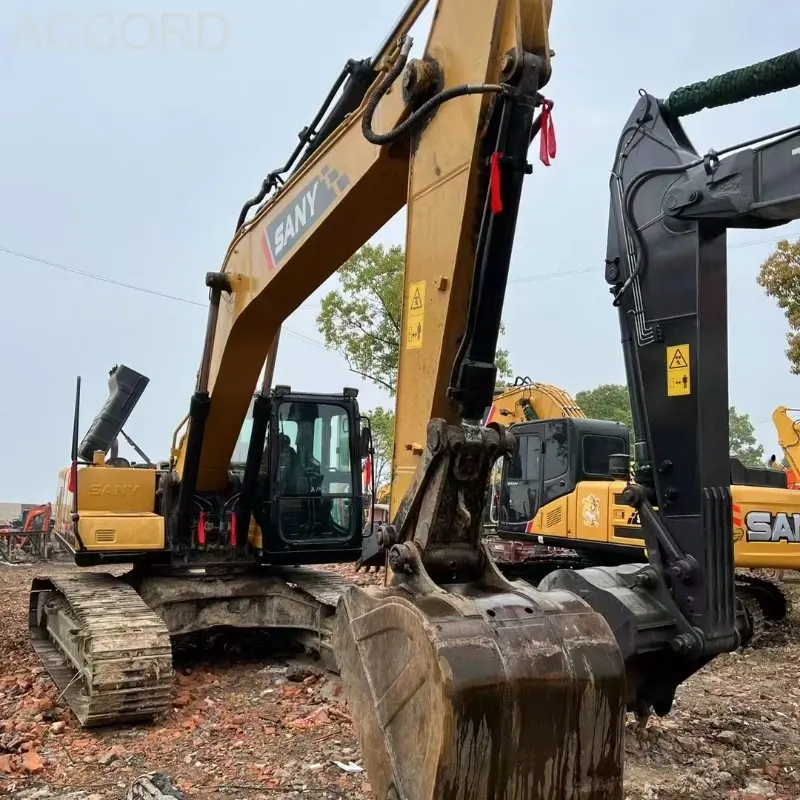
(246, 724)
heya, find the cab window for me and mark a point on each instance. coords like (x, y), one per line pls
(556, 451)
(596, 452)
(314, 471)
(520, 490)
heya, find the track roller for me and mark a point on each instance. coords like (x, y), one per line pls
(107, 652)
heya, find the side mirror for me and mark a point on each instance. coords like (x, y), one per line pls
(619, 466)
(366, 442)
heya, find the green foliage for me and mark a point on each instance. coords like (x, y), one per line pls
(611, 401)
(779, 276)
(608, 401)
(362, 319)
(743, 440)
(382, 421)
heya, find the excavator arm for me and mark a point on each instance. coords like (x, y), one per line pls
(461, 684)
(788, 431)
(350, 185)
(667, 267)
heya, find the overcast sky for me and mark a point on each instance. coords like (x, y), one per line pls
(128, 154)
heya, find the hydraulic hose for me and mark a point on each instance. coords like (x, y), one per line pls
(423, 111)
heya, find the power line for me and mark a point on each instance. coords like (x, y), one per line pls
(545, 276)
(302, 337)
(105, 279)
(96, 277)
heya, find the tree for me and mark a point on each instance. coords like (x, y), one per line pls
(779, 276)
(609, 401)
(362, 319)
(743, 440)
(382, 422)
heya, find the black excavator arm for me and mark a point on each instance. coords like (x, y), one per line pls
(667, 267)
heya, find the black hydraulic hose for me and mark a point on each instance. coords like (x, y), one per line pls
(629, 220)
(306, 137)
(406, 126)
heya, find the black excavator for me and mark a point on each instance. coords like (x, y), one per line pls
(666, 265)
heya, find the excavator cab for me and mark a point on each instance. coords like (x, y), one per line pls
(307, 500)
(551, 458)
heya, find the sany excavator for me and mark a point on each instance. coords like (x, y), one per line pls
(788, 431)
(583, 506)
(461, 683)
(450, 669)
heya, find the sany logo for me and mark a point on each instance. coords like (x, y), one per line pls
(289, 223)
(763, 526)
(296, 219)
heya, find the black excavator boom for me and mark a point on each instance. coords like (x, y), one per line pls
(670, 208)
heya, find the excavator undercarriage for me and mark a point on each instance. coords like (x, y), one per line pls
(106, 640)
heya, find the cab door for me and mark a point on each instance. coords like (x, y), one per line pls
(521, 485)
(315, 509)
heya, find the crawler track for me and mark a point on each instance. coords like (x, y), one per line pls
(764, 599)
(107, 652)
(107, 645)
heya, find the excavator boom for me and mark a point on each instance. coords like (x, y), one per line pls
(526, 400)
(345, 191)
(462, 684)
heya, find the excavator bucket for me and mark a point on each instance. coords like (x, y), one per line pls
(508, 694)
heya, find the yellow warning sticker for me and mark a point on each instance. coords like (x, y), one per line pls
(678, 372)
(415, 315)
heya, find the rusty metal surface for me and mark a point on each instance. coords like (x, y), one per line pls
(481, 693)
(300, 600)
(107, 652)
(462, 684)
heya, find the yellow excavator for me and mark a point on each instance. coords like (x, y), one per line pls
(788, 430)
(461, 683)
(591, 523)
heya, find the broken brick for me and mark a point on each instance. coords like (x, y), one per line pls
(32, 763)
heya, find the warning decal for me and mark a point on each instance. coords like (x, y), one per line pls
(678, 371)
(415, 315)
(677, 360)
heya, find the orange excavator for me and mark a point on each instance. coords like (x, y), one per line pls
(28, 538)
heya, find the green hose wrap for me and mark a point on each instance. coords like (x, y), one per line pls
(766, 77)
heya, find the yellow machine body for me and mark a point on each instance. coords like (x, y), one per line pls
(766, 520)
(115, 506)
